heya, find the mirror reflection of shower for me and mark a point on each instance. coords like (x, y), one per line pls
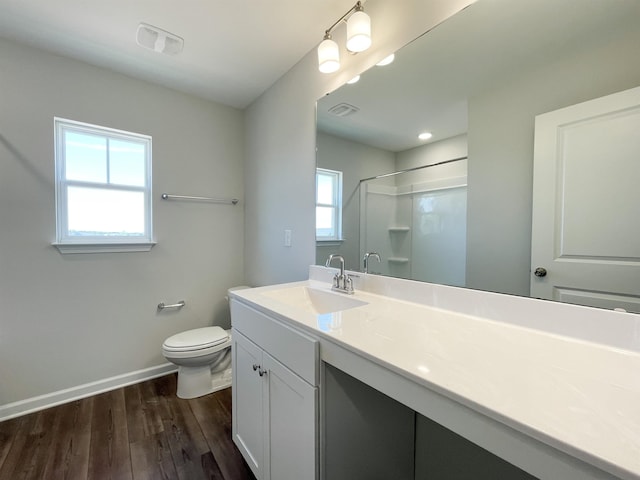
(416, 220)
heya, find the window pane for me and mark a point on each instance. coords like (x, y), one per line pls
(126, 163)
(85, 157)
(324, 189)
(95, 211)
(325, 222)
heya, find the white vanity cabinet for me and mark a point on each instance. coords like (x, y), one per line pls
(275, 396)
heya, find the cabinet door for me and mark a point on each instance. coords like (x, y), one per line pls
(247, 398)
(291, 417)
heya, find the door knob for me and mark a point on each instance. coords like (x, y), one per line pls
(540, 272)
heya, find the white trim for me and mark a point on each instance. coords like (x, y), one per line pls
(62, 183)
(103, 247)
(330, 243)
(34, 404)
(336, 205)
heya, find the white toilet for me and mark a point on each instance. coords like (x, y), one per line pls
(203, 356)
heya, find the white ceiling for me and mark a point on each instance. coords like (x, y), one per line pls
(234, 50)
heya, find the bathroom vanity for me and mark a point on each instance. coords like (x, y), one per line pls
(327, 384)
(275, 395)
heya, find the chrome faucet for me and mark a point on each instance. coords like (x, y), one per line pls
(341, 282)
(365, 260)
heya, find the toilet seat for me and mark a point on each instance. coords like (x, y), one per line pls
(197, 340)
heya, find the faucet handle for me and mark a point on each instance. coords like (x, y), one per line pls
(348, 284)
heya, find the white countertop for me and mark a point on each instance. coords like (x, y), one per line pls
(573, 394)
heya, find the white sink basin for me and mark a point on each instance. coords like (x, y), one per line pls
(317, 301)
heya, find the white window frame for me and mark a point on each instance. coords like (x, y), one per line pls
(66, 243)
(336, 204)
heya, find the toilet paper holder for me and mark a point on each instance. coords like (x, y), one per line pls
(180, 304)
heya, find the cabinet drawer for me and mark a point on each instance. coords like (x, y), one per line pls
(296, 351)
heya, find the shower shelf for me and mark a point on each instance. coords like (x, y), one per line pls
(399, 229)
(398, 260)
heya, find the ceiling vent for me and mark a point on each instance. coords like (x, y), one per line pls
(343, 110)
(158, 40)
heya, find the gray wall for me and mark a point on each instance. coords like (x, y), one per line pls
(501, 134)
(280, 142)
(72, 319)
(434, 152)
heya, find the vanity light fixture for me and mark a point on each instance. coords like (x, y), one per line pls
(354, 80)
(358, 39)
(425, 135)
(328, 55)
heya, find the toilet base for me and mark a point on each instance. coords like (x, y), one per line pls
(195, 382)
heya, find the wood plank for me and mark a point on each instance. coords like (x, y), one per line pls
(28, 454)
(137, 432)
(8, 431)
(151, 458)
(215, 420)
(165, 386)
(186, 442)
(210, 468)
(109, 455)
(191, 454)
(143, 420)
(17, 444)
(225, 400)
(68, 455)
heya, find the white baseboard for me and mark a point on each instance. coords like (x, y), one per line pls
(30, 405)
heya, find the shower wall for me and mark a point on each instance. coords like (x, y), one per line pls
(419, 229)
(417, 222)
(439, 236)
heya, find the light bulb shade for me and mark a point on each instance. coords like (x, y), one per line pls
(328, 56)
(386, 60)
(358, 32)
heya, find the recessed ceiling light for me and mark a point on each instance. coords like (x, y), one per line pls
(354, 80)
(425, 135)
(386, 60)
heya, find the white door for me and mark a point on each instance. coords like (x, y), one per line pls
(586, 203)
(291, 414)
(247, 402)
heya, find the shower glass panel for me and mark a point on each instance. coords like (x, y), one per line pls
(416, 220)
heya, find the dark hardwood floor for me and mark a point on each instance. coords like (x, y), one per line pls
(141, 431)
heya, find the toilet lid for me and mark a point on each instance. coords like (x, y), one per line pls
(196, 339)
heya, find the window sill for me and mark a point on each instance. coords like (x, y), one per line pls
(66, 248)
(330, 243)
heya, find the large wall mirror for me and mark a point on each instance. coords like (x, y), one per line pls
(502, 86)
